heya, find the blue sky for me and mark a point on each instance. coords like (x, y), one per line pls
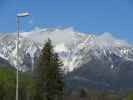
(89, 16)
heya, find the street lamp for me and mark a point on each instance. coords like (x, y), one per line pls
(24, 14)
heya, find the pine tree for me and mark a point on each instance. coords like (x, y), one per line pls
(49, 80)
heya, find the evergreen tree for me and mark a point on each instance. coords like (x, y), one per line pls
(82, 93)
(49, 80)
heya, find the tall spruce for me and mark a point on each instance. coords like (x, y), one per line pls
(49, 80)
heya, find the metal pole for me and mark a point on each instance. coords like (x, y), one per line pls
(17, 73)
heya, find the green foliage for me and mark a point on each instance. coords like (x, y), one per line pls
(129, 96)
(49, 79)
(8, 85)
(2, 91)
(92, 94)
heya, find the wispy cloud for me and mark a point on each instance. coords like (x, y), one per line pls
(67, 35)
(107, 39)
(57, 35)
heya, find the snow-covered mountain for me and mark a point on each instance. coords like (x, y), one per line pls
(74, 48)
(95, 59)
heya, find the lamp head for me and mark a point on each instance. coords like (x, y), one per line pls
(23, 14)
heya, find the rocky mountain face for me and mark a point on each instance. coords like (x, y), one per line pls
(28, 50)
(89, 60)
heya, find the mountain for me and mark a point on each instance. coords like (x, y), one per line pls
(89, 60)
(27, 51)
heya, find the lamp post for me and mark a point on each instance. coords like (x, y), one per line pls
(24, 14)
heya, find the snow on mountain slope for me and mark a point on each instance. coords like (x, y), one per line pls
(27, 50)
(74, 48)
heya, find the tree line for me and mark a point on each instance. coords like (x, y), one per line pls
(47, 83)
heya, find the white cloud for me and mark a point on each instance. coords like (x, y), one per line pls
(67, 35)
(56, 35)
(106, 39)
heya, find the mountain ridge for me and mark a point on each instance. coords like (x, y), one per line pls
(68, 49)
(89, 60)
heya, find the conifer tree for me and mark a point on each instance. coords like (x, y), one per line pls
(49, 80)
